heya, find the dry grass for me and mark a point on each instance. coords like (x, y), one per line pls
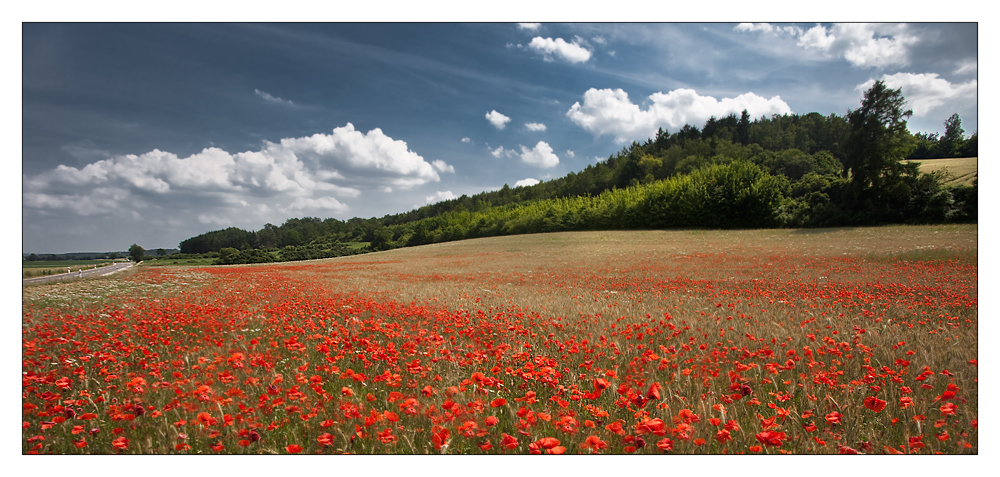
(960, 170)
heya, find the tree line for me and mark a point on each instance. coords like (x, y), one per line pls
(780, 171)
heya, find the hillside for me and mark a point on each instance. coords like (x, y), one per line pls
(959, 170)
(782, 171)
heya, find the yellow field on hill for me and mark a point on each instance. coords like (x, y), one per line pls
(961, 170)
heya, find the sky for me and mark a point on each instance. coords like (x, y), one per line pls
(152, 133)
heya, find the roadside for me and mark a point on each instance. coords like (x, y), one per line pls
(92, 273)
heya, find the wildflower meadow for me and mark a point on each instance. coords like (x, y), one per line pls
(847, 341)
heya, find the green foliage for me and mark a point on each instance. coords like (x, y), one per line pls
(136, 253)
(232, 256)
(784, 170)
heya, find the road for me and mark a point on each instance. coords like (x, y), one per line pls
(91, 273)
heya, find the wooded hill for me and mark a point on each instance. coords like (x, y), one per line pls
(782, 171)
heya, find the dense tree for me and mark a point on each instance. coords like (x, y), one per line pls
(954, 136)
(136, 253)
(878, 138)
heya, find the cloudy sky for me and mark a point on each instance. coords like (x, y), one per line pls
(154, 133)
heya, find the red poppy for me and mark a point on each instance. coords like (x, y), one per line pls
(771, 438)
(722, 436)
(874, 403)
(325, 439)
(665, 444)
(293, 449)
(594, 443)
(508, 441)
(833, 418)
(120, 443)
(498, 402)
(439, 436)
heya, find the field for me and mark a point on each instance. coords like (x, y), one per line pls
(961, 171)
(46, 267)
(682, 342)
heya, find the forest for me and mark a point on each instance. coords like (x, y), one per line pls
(780, 171)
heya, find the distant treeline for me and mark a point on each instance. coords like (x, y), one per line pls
(782, 171)
(51, 257)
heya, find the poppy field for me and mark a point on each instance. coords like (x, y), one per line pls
(846, 341)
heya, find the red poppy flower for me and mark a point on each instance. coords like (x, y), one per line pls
(833, 418)
(722, 436)
(594, 443)
(508, 441)
(120, 443)
(665, 444)
(325, 439)
(439, 436)
(771, 438)
(293, 449)
(498, 402)
(874, 403)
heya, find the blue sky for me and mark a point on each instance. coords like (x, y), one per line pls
(153, 133)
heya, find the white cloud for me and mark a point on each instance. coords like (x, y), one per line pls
(498, 120)
(599, 40)
(329, 204)
(305, 173)
(439, 196)
(535, 126)
(541, 155)
(526, 182)
(926, 93)
(768, 28)
(528, 26)
(466, 140)
(272, 99)
(970, 66)
(570, 153)
(864, 45)
(442, 166)
(571, 52)
(501, 152)
(611, 112)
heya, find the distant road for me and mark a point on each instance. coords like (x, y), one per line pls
(92, 273)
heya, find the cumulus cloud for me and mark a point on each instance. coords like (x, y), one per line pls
(501, 152)
(768, 28)
(541, 155)
(535, 127)
(570, 154)
(498, 120)
(611, 112)
(526, 182)
(528, 26)
(312, 173)
(864, 45)
(466, 140)
(439, 196)
(442, 166)
(571, 52)
(329, 204)
(272, 99)
(926, 93)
